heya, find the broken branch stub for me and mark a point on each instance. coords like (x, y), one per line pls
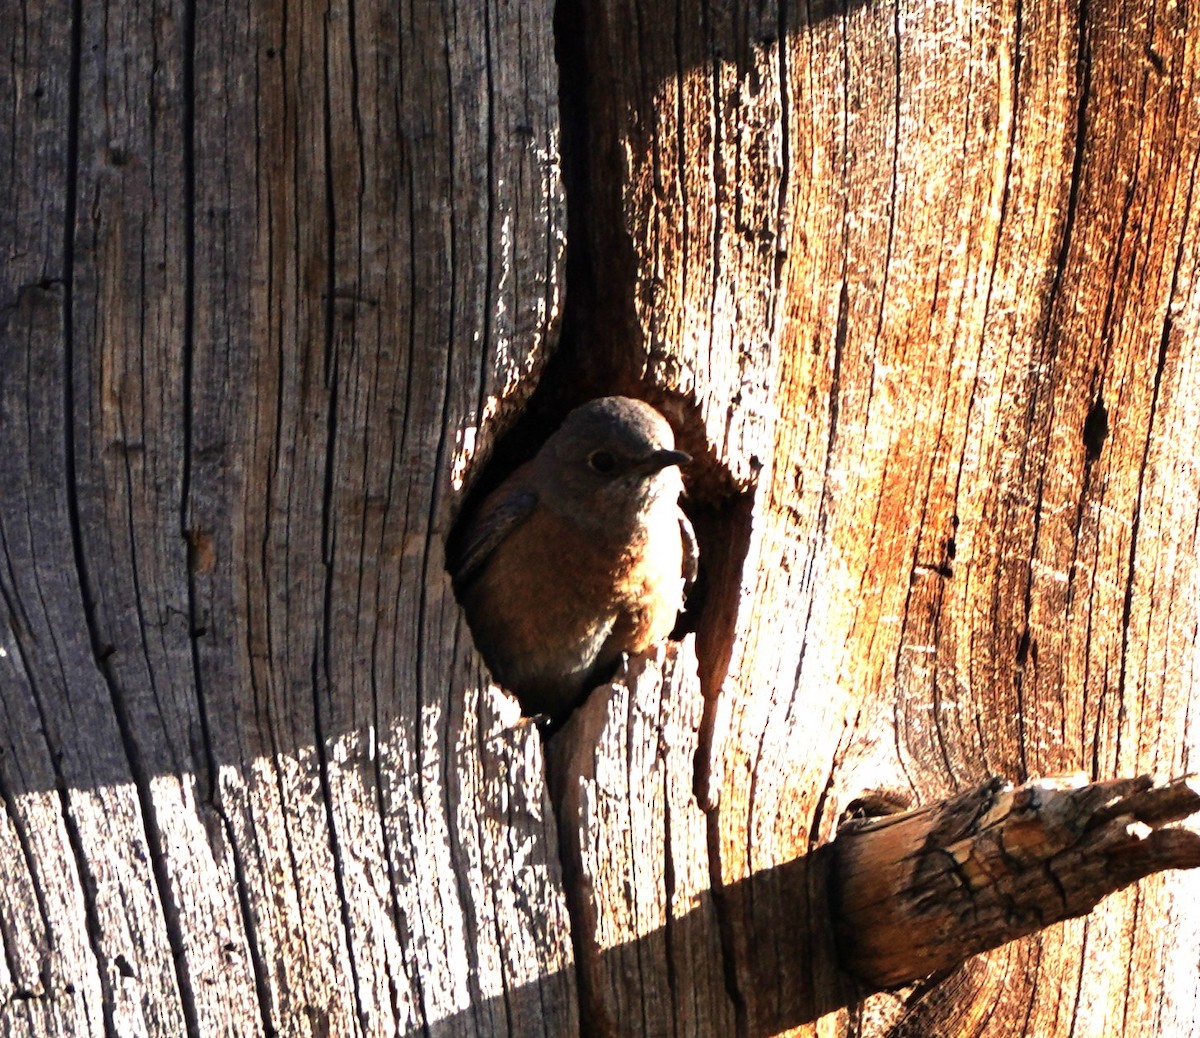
(918, 893)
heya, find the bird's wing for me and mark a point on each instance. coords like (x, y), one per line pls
(691, 552)
(501, 513)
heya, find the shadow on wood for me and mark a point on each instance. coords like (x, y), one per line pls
(799, 979)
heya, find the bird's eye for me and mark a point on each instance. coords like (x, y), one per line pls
(602, 462)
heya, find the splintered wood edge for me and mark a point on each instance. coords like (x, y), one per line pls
(918, 893)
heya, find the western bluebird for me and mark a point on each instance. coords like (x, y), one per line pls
(582, 554)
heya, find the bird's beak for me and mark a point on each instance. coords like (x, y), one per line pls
(662, 459)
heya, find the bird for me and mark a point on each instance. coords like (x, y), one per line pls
(581, 555)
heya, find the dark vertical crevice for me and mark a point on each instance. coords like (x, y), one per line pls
(207, 784)
(1027, 647)
(449, 769)
(357, 120)
(723, 530)
(72, 207)
(376, 764)
(138, 770)
(782, 246)
(681, 159)
(721, 195)
(70, 464)
(1135, 525)
(564, 799)
(488, 352)
(187, 365)
(579, 292)
(322, 680)
(416, 212)
(726, 926)
(1083, 76)
(408, 221)
(428, 563)
(71, 217)
(993, 266)
(600, 348)
(579, 304)
(258, 966)
(893, 191)
(670, 940)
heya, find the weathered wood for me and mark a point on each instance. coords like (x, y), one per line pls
(916, 282)
(642, 912)
(928, 273)
(265, 271)
(918, 893)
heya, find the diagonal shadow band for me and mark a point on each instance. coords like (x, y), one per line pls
(786, 979)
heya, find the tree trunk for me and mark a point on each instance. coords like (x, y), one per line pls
(917, 286)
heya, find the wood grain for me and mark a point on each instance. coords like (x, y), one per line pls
(929, 273)
(270, 268)
(918, 893)
(917, 284)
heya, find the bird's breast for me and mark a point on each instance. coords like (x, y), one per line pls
(556, 603)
